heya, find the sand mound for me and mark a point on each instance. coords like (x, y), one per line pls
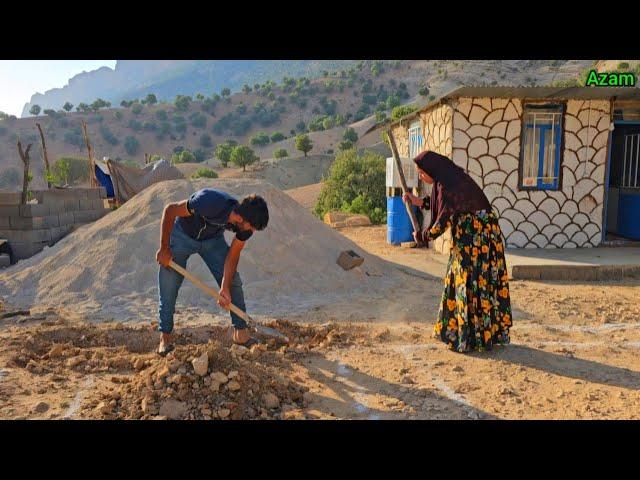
(107, 269)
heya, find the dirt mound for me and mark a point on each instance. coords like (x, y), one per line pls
(107, 269)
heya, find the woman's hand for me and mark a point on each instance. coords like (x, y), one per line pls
(410, 197)
(417, 236)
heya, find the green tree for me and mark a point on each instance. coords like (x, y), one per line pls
(350, 135)
(243, 156)
(136, 109)
(345, 145)
(117, 115)
(277, 136)
(131, 145)
(260, 139)
(67, 107)
(327, 123)
(100, 103)
(304, 144)
(355, 184)
(424, 90)
(223, 153)
(182, 103)
(161, 115)
(401, 111)
(183, 156)
(150, 99)
(280, 153)
(35, 110)
(246, 88)
(225, 92)
(204, 173)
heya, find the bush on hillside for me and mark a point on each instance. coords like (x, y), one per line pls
(131, 145)
(280, 153)
(136, 109)
(204, 173)
(277, 136)
(355, 184)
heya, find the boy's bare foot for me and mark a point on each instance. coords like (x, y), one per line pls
(165, 344)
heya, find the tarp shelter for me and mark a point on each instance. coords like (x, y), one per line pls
(128, 181)
(103, 176)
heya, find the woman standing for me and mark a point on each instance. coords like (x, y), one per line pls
(475, 310)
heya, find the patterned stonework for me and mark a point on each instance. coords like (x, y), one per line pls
(486, 143)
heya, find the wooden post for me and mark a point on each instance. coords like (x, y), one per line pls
(24, 156)
(44, 155)
(408, 206)
(92, 172)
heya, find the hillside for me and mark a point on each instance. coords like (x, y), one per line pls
(326, 105)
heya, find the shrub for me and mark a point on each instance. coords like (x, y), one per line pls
(401, 111)
(117, 115)
(355, 184)
(131, 145)
(108, 135)
(424, 90)
(35, 110)
(70, 170)
(300, 126)
(280, 153)
(161, 115)
(243, 156)
(198, 120)
(184, 156)
(182, 103)
(135, 125)
(136, 108)
(149, 126)
(260, 139)
(67, 107)
(204, 173)
(150, 99)
(350, 135)
(277, 136)
(345, 145)
(304, 144)
(200, 155)
(328, 123)
(74, 137)
(205, 141)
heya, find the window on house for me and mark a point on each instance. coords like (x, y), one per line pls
(541, 140)
(415, 139)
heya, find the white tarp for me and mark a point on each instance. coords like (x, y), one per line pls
(128, 181)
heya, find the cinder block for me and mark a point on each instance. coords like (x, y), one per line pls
(9, 210)
(86, 204)
(25, 250)
(65, 219)
(34, 210)
(56, 206)
(13, 198)
(97, 204)
(84, 216)
(93, 193)
(103, 192)
(5, 260)
(5, 222)
(72, 204)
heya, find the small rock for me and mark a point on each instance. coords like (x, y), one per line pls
(57, 350)
(75, 361)
(224, 412)
(407, 380)
(148, 406)
(233, 374)
(238, 350)
(201, 365)
(103, 408)
(219, 377)
(234, 386)
(270, 401)
(138, 364)
(173, 409)
(41, 407)
(457, 369)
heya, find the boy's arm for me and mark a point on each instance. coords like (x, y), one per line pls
(169, 214)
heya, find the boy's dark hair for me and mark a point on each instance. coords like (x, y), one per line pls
(254, 210)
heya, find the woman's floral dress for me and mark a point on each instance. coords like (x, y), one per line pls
(475, 311)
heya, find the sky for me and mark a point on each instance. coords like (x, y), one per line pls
(19, 79)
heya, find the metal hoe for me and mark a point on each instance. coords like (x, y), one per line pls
(212, 292)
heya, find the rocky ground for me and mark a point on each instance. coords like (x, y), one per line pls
(574, 355)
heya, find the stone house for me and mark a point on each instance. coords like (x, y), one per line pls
(559, 165)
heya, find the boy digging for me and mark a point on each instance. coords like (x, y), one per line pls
(197, 225)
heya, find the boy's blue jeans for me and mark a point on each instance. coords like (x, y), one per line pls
(213, 252)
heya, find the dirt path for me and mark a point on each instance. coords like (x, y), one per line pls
(574, 355)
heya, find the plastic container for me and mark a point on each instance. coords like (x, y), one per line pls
(399, 228)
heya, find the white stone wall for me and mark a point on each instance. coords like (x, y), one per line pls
(486, 143)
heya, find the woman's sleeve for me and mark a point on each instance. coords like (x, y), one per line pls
(437, 229)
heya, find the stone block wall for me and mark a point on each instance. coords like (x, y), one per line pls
(486, 143)
(31, 227)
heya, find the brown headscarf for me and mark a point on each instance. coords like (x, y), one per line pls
(453, 190)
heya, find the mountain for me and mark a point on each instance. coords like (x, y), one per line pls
(168, 78)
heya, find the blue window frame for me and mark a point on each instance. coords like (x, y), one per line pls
(541, 147)
(415, 139)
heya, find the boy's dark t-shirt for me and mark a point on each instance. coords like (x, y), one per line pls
(210, 211)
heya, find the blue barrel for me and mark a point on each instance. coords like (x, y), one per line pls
(399, 228)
